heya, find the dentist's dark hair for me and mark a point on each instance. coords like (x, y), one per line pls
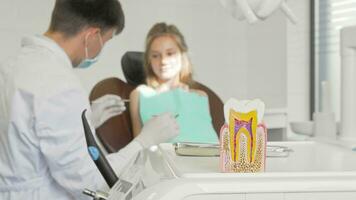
(70, 16)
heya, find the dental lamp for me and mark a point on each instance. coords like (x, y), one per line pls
(255, 10)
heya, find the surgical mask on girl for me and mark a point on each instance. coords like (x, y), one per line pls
(87, 62)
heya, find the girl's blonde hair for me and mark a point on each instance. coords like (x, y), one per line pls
(163, 29)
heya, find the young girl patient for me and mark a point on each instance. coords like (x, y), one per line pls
(169, 88)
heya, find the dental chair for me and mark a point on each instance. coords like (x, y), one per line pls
(117, 131)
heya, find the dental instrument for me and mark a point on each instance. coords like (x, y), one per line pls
(122, 187)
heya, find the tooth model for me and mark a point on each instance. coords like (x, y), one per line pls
(243, 137)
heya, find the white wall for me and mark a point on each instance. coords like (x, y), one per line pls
(298, 58)
(21, 17)
(217, 43)
(268, 60)
(266, 57)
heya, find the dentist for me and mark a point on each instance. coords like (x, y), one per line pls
(43, 152)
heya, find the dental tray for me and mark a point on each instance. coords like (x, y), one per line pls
(209, 150)
(196, 149)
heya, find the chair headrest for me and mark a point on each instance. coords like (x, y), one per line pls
(132, 67)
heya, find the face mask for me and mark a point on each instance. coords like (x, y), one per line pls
(87, 62)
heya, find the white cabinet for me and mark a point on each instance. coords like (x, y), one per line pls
(265, 196)
(276, 122)
(216, 197)
(321, 196)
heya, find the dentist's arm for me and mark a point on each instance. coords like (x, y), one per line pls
(157, 130)
(62, 142)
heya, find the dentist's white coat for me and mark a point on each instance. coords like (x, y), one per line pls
(43, 151)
